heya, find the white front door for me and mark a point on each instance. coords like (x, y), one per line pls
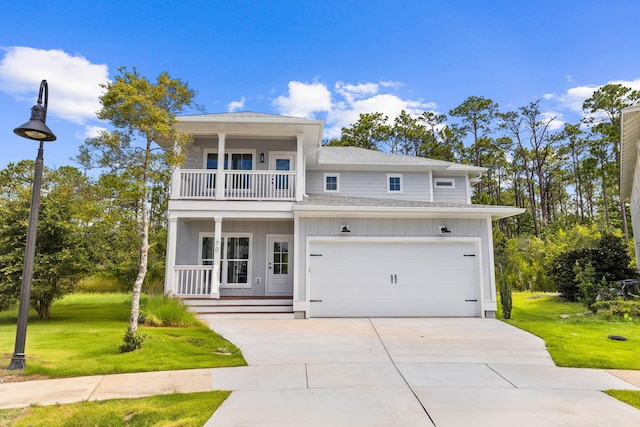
(279, 265)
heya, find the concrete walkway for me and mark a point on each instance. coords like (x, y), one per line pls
(374, 372)
(407, 372)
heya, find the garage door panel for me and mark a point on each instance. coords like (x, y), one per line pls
(376, 279)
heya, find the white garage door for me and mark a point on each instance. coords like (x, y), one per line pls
(393, 279)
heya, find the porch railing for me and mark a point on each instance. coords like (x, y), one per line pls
(194, 280)
(239, 185)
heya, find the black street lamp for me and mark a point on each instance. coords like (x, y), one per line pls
(37, 130)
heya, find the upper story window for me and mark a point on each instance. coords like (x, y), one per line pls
(394, 183)
(331, 183)
(232, 161)
(444, 183)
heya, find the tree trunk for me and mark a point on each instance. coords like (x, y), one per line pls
(625, 227)
(144, 247)
(604, 194)
(44, 310)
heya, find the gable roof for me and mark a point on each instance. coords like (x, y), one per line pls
(252, 124)
(243, 116)
(355, 156)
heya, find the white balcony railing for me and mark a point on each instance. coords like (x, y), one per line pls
(194, 280)
(239, 185)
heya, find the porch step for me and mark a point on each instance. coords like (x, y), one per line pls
(266, 316)
(241, 307)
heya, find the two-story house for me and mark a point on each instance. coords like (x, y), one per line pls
(264, 219)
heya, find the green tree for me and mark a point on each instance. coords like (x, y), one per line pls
(529, 129)
(137, 107)
(62, 254)
(371, 131)
(607, 255)
(603, 115)
(440, 141)
(477, 115)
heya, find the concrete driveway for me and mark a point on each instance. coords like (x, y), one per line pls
(406, 372)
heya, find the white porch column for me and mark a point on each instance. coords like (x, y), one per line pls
(175, 184)
(217, 245)
(220, 173)
(300, 184)
(172, 242)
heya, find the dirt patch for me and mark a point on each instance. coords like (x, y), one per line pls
(7, 376)
(14, 376)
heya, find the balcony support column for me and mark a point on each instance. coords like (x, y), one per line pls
(172, 242)
(217, 247)
(300, 184)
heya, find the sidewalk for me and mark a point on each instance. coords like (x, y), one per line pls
(102, 387)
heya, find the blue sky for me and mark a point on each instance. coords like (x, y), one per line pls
(329, 59)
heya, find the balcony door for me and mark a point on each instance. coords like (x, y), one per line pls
(282, 162)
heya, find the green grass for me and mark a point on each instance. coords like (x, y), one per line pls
(162, 310)
(192, 409)
(84, 333)
(577, 338)
(629, 397)
(574, 336)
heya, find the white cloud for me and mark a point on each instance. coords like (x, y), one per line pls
(345, 114)
(73, 81)
(236, 105)
(352, 92)
(343, 108)
(391, 84)
(574, 97)
(304, 100)
(557, 120)
(89, 132)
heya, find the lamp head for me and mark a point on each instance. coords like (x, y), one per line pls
(36, 128)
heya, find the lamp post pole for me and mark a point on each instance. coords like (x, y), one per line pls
(35, 129)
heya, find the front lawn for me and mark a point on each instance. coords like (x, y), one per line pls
(185, 410)
(574, 336)
(84, 333)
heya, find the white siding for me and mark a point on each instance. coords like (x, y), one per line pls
(635, 207)
(415, 185)
(451, 195)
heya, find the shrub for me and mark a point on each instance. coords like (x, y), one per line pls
(608, 257)
(132, 341)
(590, 290)
(506, 300)
(619, 309)
(162, 310)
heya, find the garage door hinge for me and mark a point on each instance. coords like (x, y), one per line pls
(315, 300)
(469, 254)
(315, 254)
(471, 300)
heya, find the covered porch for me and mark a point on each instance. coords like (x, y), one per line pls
(228, 257)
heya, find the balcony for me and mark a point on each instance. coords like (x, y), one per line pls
(200, 184)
